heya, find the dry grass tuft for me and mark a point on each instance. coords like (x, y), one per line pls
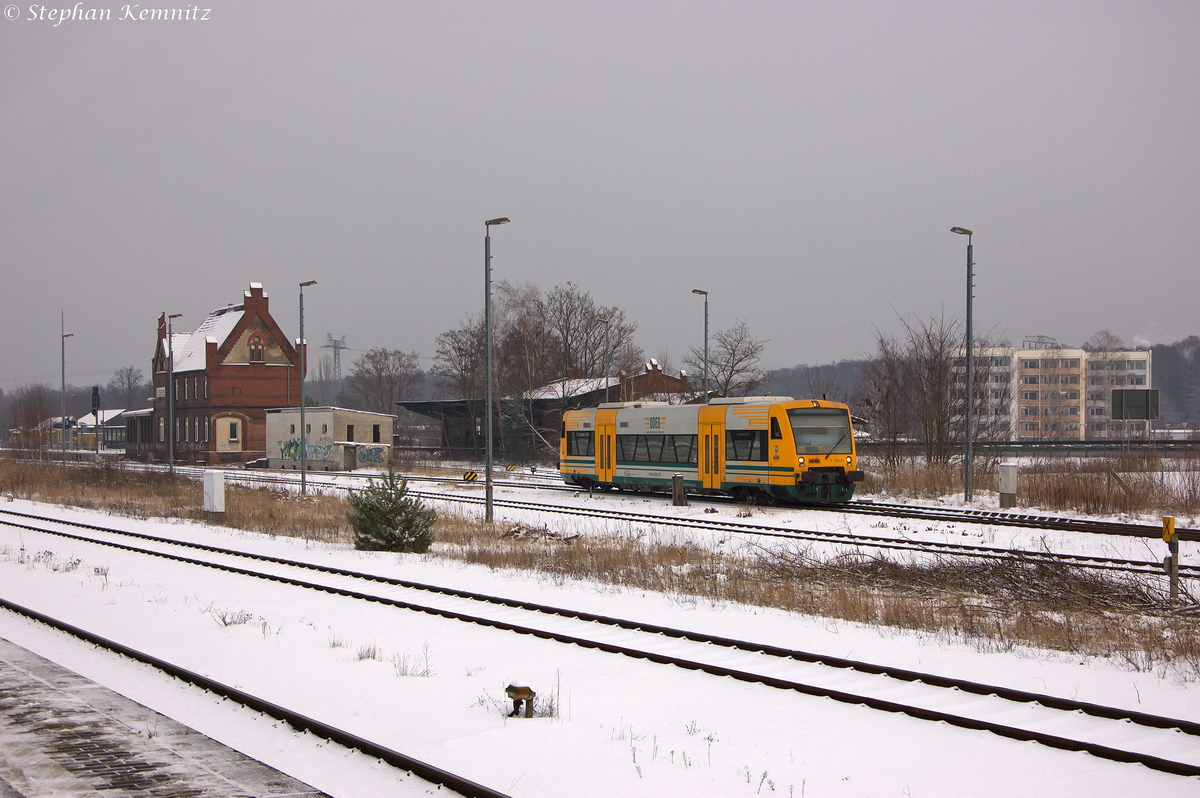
(119, 490)
(1129, 485)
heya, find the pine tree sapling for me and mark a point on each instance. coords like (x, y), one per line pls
(386, 518)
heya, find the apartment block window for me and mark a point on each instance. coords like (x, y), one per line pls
(1070, 364)
(1029, 380)
(376, 432)
(1137, 380)
(1072, 394)
(1029, 364)
(1137, 365)
(1049, 364)
(1095, 381)
(1096, 396)
(1072, 410)
(1029, 411)
(1029, 395)
(349, 432)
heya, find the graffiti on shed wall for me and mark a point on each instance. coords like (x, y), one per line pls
(374, 454)
(290, 450)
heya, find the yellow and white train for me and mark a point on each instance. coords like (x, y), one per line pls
(770, 447)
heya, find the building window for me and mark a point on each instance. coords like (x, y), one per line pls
(1072, 410)
(206, 387)
(293, 432)
(1071, 379)
(1030, 380)
(1029, 364)
(1072, 394)
(1049, 364)
(308, 429)
(1029, 411)
(349, 432)
(1070, 364)
(206, 429)
(1137, 365)
(324, 429)
(376, 432)
(1029, 395)
(256, 349)
(233, 430)
(162, 430)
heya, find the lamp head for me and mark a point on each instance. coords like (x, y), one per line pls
(175, 316)
(962, 231)
(308, 283)
(698, 291)
(501, 220)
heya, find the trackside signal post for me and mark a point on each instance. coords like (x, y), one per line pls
(487, 323)
(1172, 561)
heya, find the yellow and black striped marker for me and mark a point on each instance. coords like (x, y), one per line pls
(470, 476)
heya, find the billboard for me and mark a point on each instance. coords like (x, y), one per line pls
(1135, 405)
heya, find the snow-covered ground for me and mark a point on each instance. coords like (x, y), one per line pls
(624, 727)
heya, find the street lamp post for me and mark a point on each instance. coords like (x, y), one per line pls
(968, 465)
(487, 323)
(705, 295)
(303, 369)
(62, 395)
(171, 394)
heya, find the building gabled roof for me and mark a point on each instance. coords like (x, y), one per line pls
(190, 347)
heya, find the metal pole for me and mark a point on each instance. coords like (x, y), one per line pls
(303, 429)
(970, 462)
(706, 347)
(487, 323)
(62, 396)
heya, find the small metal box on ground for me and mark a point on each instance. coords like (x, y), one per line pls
(214, 491)
(1008, 485)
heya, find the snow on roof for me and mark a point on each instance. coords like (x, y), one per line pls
(105, 416)
(189, 348)
(564, 389)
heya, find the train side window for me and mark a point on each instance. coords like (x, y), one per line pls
(581, 444)
(776, 432)
(686, 450)
(625, 445)
(641, 450)
(749, 444)
(654, 446)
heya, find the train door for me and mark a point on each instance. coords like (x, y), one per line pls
(712, 446)
(606, 446)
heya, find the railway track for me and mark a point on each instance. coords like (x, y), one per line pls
(297, 721)
(727, 527)
(1161, 743)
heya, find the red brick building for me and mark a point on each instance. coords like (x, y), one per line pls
(226, 373)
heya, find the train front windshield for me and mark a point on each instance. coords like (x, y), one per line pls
(821, 430)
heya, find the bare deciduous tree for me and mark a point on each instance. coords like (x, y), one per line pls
(733, 360)
(128, 389)
(381, 377)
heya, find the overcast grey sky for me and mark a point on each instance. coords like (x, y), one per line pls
(803, 162)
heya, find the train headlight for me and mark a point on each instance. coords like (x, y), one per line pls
(847, 461)
(801, 461)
